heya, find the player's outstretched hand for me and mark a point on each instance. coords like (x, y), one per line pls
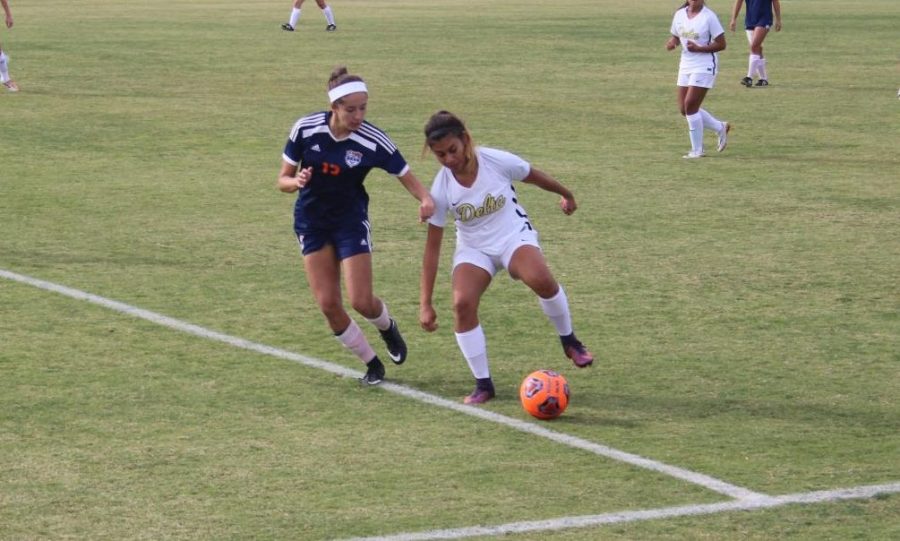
(426, 208)
(568, 206)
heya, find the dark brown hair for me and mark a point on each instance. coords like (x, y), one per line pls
(442, 124)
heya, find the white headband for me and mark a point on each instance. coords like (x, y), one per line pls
(352, 87)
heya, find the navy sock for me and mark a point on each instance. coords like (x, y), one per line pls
(374, 363)
(484, 384)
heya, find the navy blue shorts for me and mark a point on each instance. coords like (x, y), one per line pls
(758, 14)
(348, 240)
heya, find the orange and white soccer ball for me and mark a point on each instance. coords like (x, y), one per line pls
(544, 394)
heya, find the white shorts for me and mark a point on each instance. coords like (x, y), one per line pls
(701, 79)
(493, 263)
(750, 34)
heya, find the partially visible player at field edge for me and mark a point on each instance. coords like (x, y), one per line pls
(493, 232)
(5, 79)
(295, 16)
(757, 21)
(697, 29)
(326, 159)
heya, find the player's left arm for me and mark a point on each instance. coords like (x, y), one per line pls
(714, 46)
(418, 190)
(776, 7)
(735, 11)
(545, 182)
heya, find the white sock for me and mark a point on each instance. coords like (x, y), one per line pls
(557, 309)
(383, 321)
(329, 15)
(295, 16)
(354, 340)
(710, 122)
(4, 67)
(695, 127)
(761, 68)
(751, 65)
(474, 348)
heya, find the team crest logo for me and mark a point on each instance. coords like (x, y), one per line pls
(353, 158)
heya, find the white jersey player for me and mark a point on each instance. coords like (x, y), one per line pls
(489, 220)
(476, 185)
(700, 34)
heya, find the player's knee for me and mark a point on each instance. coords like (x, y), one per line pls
(330, 306)
(365, 306)
(464, 307)
(546, 288)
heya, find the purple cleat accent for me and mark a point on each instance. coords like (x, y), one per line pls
(479, 396)
(576, 351)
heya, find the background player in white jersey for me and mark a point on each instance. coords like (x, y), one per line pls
(757, 21)
(5, 80)
(697, 29)
(493, 232)
(327, 157)
(295, 16)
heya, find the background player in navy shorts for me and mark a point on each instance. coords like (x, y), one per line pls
(757, 21)
(327, 157)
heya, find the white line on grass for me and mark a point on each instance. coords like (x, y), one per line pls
(700, 479)
(644, 514)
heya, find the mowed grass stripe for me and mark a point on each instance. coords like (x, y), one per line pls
(696, 478)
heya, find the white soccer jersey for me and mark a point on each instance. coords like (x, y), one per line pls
(703, 29)
(488, 213)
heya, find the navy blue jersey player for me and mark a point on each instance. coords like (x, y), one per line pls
(335, 195)
(326, 158)
(757, 22)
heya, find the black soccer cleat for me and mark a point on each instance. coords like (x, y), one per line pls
(747, 81)
(374, 373)
(287, 27)
(395, 344)
(762, 82)
(331, 28)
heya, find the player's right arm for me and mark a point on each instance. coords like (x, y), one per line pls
(289, 180)
(673, 42)
(427, 315)
(9, 19)
(734, 14)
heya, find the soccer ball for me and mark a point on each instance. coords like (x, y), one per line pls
(544, 394)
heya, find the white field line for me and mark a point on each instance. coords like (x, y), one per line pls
(700, 479)
(751, 504)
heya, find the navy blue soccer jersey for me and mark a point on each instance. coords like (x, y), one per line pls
(335, 194)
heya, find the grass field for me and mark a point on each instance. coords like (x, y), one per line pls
(745, 308)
